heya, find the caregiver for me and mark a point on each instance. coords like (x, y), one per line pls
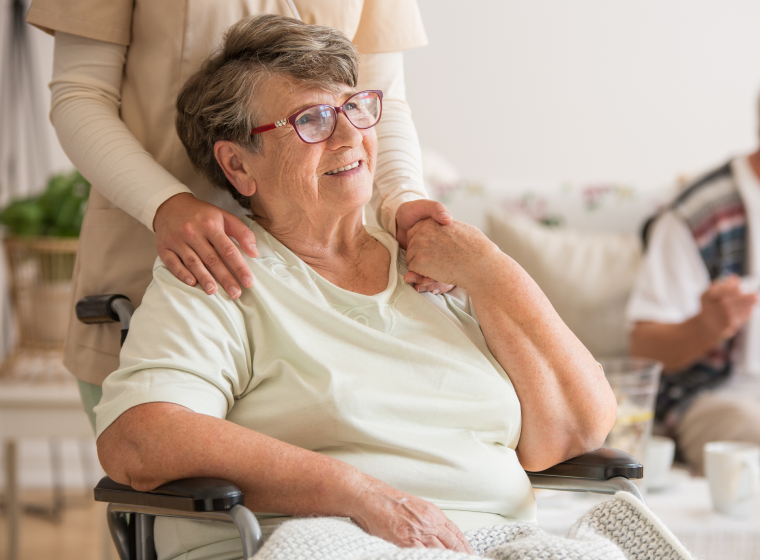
(118, 67)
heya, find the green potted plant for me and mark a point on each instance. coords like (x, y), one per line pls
(41, 238)
(57, 212)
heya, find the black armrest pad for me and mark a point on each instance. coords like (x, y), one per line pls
(601, 464)
(97, 309)
(189, 494)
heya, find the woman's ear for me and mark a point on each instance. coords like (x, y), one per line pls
(232, 160)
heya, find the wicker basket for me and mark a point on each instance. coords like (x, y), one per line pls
(40, 277)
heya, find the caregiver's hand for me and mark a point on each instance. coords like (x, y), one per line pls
(193, 240)
(409, 214)
(457, 253)
(405, 520)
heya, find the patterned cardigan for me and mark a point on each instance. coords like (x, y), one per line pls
(713, 210)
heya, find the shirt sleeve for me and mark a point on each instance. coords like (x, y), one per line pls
(85, 97)
(388, 26)
(104, 20)
(398, 174)
(184, 347)
(672, 277)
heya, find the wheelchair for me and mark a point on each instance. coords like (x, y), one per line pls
(131, 514)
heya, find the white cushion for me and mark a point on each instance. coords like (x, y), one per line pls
(586, 276)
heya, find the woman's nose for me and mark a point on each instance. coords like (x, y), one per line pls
(346, 134)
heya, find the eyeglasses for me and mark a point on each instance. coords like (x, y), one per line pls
(317, 123)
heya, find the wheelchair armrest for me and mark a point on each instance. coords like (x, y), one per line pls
(107, 308)
(190, 494)
(98, 309)
(602, 464)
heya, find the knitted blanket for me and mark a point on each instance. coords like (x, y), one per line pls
(619, 529)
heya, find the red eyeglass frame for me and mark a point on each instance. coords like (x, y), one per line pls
(292, 118)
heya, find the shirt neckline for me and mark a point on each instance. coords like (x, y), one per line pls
(384, 238)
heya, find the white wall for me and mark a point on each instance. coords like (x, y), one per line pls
(583, 90)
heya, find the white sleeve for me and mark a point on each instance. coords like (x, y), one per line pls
(184, 347)
(398, 175)
(672, 277)
(85, 96)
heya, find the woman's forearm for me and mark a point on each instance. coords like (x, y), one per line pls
(567, 405)
(155, 443)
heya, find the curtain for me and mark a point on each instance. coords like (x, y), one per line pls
(25, 143)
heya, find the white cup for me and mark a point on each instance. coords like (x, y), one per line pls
(658, 460)
(733, 471)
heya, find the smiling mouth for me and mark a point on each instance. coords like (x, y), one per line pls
(345, 168)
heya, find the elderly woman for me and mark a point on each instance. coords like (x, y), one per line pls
(333, 388)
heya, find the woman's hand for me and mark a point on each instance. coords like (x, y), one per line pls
(193, 240)
(456, 253)
(405, 520)
(409, 214)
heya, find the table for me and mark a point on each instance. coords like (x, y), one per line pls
(27, 410)
(685, 509)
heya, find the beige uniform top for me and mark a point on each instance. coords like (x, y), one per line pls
(167, 41)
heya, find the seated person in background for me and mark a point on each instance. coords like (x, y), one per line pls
(333, 388)
(690, 309)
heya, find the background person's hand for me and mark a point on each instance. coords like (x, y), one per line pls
(725, 308)
(407, 215)
(405, 520)
(455, 254)
(193, 240)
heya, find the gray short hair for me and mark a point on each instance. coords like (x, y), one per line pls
(219, 102)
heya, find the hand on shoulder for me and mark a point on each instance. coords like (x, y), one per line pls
(193, 241)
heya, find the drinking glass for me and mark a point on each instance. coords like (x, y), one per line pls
(634, 382)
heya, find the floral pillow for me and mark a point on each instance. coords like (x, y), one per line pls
(616, 207)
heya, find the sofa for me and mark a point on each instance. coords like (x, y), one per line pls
(580, 242)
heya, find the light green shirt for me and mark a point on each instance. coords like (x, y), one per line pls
(399, 384)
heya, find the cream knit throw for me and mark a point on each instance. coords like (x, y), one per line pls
(620, 529)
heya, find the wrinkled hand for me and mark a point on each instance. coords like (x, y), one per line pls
(457, 253)
(407, 215)
(405, 520)
(725, 309)
(193, 240)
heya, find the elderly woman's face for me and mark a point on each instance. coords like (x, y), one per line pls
(288, 171)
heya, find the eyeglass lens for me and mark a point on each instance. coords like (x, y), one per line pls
(317, 123)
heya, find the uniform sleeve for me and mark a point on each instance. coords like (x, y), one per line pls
(104, 20)
(398, 175)
(85, 96)
(389, 25)
(672, 277)
(184, 347)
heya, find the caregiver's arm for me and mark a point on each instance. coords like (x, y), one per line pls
(398, 174)
(154, 443)
(567, 405)
(403, 200)
(192, 236)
